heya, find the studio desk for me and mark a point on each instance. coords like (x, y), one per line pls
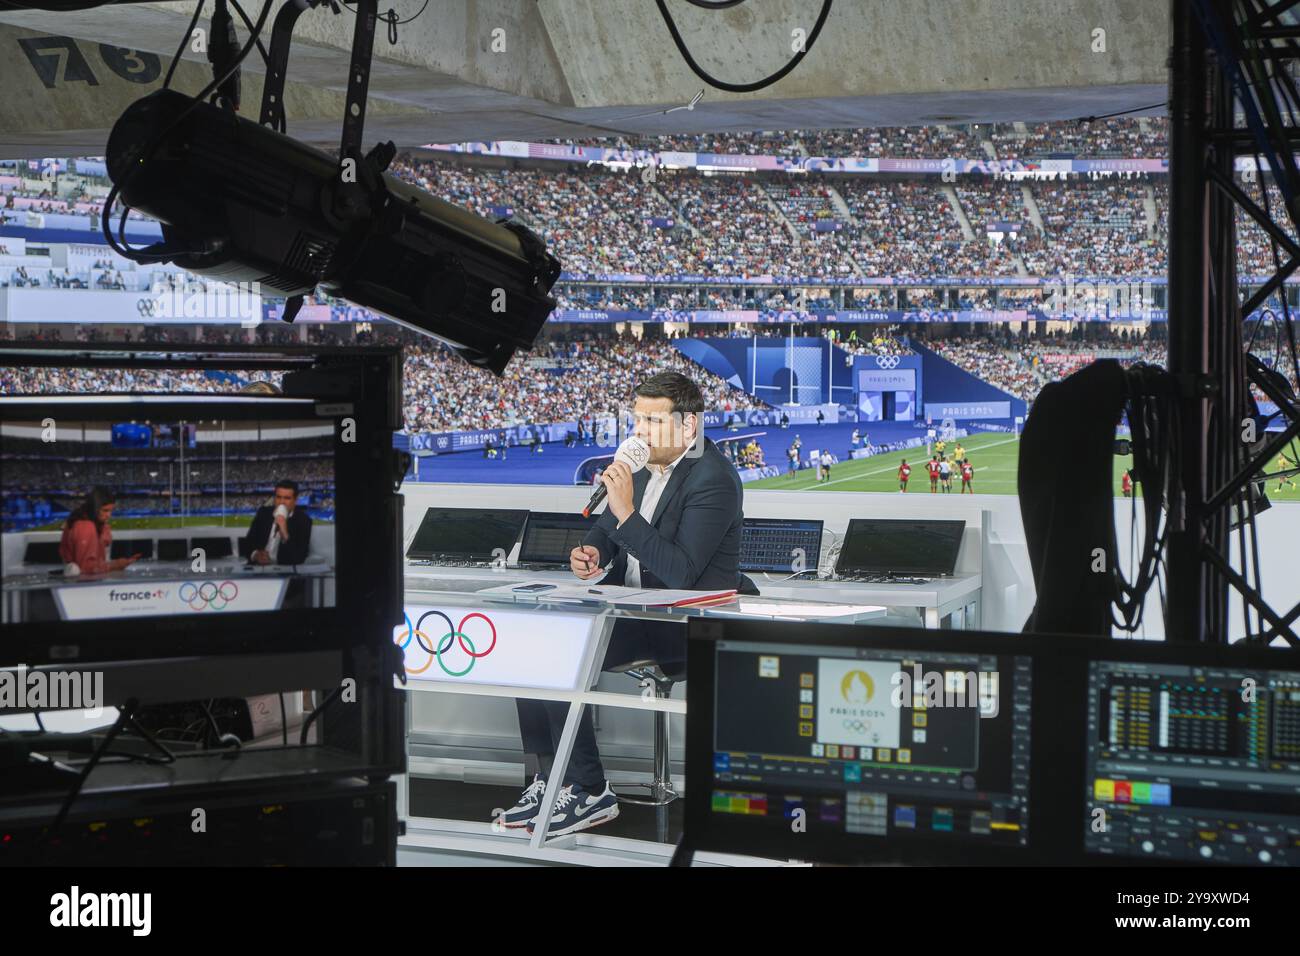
(511, 645)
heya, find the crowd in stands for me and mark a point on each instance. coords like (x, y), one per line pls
(1123, 137)
(597, 377)
(1118, 137)
(749, 455)
(1021, 366)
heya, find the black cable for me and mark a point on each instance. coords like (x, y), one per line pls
(266, 57)
(742, 87)
(221, 740)
(123, 716)
(189, 32)
(39, 723)
(316, 712)
(284, 721)
(1101, 116)
(390, 18)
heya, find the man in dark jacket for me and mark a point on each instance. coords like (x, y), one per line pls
(674, 524)
(281, 531)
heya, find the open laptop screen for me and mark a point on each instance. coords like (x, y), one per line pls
(896, 546)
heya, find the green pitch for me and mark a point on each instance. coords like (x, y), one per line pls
(168, 521)
(995, 457)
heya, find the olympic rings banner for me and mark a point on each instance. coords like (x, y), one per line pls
(492, 645)
(153, 597)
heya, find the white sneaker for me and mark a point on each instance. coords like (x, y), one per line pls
(576, 809)
(523, 812)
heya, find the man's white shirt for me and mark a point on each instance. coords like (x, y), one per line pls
(654, 489)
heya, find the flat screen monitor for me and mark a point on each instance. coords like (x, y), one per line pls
(42, 552)
(780, 545)
(1192, 761)
(214, 548)
(468, 534)
(173, 549)
(126, 547)
(210, 464)
(841, 743)
(550, 536)
(900, 546)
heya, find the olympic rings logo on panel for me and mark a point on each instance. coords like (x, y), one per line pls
(209, 594)
(444, 644)
(887, 361)
(856, 726)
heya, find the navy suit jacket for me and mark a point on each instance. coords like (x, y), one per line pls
(693, 539)
(293, 551)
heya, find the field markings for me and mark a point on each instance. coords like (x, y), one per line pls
(894, 468)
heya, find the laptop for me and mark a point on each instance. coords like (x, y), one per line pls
(42, 552)
(173, 549)
(214, 549)
(126, 547)
(780, 545)
(898, 551)
(549, 537)
(466, 537)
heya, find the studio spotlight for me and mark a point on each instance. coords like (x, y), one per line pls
(243, 203)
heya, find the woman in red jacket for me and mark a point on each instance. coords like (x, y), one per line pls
(86, 535)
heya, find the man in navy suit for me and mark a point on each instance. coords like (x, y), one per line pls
(281, 531)
(674, 524)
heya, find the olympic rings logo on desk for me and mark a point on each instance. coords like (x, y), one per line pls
(453, 635)
(208, 594)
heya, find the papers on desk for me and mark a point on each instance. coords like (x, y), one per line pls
(750, 607)
(612, 594)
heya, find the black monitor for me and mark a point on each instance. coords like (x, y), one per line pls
(1192, 755)
(126, 547)
(243, 445)
(173, 549)
(468, 534)
(837, 743)
(777, 544)
(42, 552)
(900, 546)
(214, 549)
(550, 536)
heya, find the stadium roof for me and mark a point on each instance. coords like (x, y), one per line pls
(534, 69)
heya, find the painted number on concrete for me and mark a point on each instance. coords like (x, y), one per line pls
(59, 60)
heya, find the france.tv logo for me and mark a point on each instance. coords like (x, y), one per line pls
(156, 595)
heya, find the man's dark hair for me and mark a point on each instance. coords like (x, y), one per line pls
(684, 394)
(291, 485)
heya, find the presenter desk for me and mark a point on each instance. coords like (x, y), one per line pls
(956, 599)
(525, 646)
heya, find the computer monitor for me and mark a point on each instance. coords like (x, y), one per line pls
(1192, 755)
(42, 552)
(126, 547)
(550, 536)
(900, 546)
(777, 544)
(173, 549)
(214, 548)
(467, 534)
(829, 742)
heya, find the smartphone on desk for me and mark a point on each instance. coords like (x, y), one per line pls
(534, 588)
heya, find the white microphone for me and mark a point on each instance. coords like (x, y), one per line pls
(635, 454)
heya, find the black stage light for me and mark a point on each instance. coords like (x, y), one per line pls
(243, 203)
